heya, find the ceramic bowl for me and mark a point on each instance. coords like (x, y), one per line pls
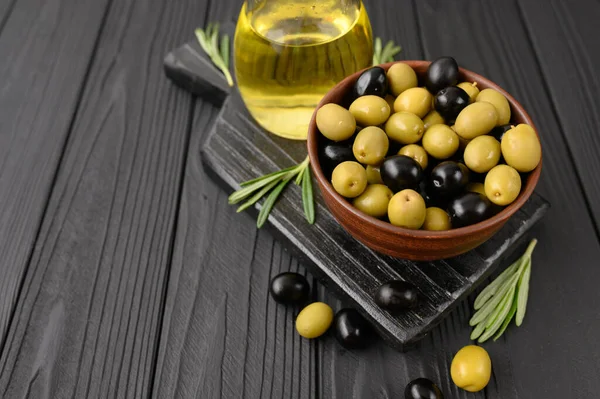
(399, 242)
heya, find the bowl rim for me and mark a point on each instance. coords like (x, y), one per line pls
(500, 218)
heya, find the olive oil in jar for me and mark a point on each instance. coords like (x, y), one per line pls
(289, 53)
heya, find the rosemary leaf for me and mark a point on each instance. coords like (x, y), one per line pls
(257, 196)
(488, 308)
(300, 176)
(307, 196)
(225, 49)
(491, 289)
(504, 310)
(249, 190)
(377, 51)
(270, 202)
(509, 317)
(278, 173)
(477, 331)
(523, 293)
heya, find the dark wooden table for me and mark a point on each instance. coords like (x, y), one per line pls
(124, 273)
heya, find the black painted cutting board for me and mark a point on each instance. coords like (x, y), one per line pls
(236, 149)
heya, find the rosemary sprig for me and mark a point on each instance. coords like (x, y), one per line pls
(209, 41)
(381, 54)
(503, 299)
(273, 184)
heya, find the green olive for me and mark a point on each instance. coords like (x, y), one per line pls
(370, 145)
(499, 102)
(401, 77)
(502, 184)
(314, 320)
(335, 122)
(349, 179)
(370, 110)
(373, 175)
(404, 127)
(416, 100)
(476, 119)
(471, 368)
(521, 148)
(374, 200)
(436, 219)
(433, 118)
(440, 141)
(407, 209)
(471, 89)
(417, 153)
(476, 188)
(390, 100)
(462, 143)
(482, 154)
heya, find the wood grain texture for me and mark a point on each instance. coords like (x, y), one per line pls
(222, 335)
(42, 69)
(565, 38)
(89, 315)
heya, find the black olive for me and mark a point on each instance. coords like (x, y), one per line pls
(351, 329)
(448, 179)
(373, 81)
(396, 295)
(399, 172)
(469, 208)
(393, 148)
(450, 101)
(442, 72)
(290, 288)
(430, 198)
(422, 388)
(332, 153)
(498, 131)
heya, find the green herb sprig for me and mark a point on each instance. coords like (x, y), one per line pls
(209, 41)
(503, 299)
(381, 55)
(273, 184)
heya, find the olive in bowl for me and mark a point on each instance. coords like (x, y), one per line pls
(476, 119)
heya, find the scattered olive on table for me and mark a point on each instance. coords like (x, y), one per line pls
(314, 320)
(396, 295)
(351, 330)
(450, 153)
(289, 288)
(471, 368)
(422, 388)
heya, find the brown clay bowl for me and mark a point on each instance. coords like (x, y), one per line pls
(399, 242)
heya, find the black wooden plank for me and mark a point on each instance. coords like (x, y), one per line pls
(565, 40)
(42, 69)
(88, 321)
(222, 336)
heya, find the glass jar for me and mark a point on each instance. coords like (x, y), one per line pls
(289, 53)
